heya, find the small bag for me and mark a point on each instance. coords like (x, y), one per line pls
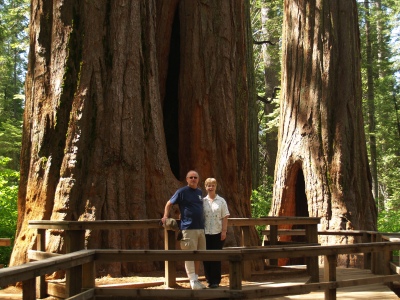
(171, 224)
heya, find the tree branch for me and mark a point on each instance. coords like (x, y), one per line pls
(263, 42)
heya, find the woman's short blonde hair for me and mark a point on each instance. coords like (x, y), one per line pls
(210, 181)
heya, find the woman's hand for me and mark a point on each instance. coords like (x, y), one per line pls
(223, 235)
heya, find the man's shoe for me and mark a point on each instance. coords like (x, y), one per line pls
(202, 285)
(213, 285)
(196, 285)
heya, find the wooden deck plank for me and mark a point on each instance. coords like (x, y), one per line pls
(370, 292)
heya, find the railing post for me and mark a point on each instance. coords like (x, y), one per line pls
(312, 262)
(387, 257)
(28, 289)
(377, 257)
(89, 278)
(41, 284)
(74, 241)
(273, 240)
(235, 274)
(330, 275)
(246, 243)
(373, 254)
(367, 238)
(170, 266)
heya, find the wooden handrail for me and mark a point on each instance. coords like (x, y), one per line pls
(392, 237)
(5, 242)
(236, 254)
(320, 232)
(29, 271)
(273, 221)
(155, 223)
(308, 251)
(95, 225)
(241, 254)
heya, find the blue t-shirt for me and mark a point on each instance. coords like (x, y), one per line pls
(190, 202)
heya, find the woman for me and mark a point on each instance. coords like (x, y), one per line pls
(216, 215)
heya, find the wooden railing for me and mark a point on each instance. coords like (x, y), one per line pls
(370, 261)
(74, 235)
(84, 287)
(5, 242)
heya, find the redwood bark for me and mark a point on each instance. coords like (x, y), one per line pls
(321, 132)
(103, 78)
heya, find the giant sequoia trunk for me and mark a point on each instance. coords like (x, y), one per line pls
(122, 99)
(322, 166)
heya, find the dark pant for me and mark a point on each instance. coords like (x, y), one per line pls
(212, 269)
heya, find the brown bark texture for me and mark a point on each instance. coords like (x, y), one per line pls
(321, 135)
(122, 99)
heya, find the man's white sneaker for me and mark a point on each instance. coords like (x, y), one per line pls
(197, 285)
(202, 285)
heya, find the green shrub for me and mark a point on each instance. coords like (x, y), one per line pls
(388, 221)
(8, 207)
(261, 199)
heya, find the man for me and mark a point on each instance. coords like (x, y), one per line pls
(189, 199)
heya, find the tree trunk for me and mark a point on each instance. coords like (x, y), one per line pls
(322, 166)
(371, 106)
(272, 81)
(122, 99)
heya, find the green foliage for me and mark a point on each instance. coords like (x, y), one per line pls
(10, 141)
(8, 206)
(13, 55)
(261, 199)
(267, 19)
(384, 23)
(388, 221)
(266, 22)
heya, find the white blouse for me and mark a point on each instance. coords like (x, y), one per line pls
(214, 211)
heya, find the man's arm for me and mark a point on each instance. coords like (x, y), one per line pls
(166, 211)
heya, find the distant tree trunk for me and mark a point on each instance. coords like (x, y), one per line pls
(122, 99)
(371, 105)
(322, 166)
(272, 81)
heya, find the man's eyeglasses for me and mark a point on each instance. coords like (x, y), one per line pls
(192, 177)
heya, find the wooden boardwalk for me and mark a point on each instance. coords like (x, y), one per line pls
(241, 283)
(365, 292)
